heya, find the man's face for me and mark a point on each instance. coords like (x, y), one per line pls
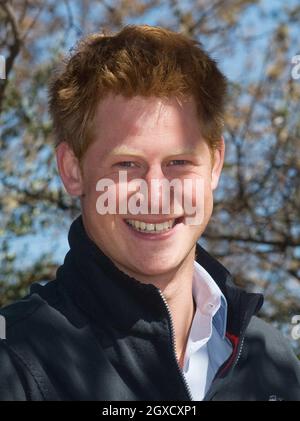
(150, 139)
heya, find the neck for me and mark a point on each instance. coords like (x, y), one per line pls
(176, 287)
(179, 296)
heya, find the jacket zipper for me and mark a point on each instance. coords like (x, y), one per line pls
(188, 390)
(239, 354)
(242, 336)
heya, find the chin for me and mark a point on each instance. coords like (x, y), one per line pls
(157, 266)
(154, 271)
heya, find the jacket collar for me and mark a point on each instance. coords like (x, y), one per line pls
(107, 294)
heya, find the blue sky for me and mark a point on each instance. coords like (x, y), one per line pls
(259, 24)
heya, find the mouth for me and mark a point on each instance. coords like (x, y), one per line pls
(153, 227)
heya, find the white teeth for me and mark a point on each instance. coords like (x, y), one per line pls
(159, 227)
(166, 225)
(151, 228)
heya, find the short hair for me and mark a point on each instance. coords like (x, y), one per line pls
(139, 60)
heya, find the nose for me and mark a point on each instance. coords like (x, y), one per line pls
(154, 172)
(155, 179)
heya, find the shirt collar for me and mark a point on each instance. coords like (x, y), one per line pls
(209, 298)
(211, 311)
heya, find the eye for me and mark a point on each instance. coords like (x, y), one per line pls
(178, 162)
(126, 164)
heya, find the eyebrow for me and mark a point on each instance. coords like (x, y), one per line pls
(123, 150)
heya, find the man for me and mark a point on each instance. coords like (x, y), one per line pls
(139, 311)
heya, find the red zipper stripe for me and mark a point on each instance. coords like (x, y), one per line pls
(235, 342)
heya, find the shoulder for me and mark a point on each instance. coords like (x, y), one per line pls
(14, 374)
(19, 315)
(45, 316)
(11, 382)
(20, 311)
(36, 329)
(269, 336)
(272, 351)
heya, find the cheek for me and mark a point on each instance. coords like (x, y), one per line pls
(196, 190)
(90, 180)
(90, 198)
(198, 200)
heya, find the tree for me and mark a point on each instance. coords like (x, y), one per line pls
(255, 229)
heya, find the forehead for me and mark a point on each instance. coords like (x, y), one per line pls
(138, 116)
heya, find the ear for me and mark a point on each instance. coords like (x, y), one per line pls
(218, 162)
(69, 169)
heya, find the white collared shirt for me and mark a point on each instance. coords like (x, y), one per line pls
(207, 347)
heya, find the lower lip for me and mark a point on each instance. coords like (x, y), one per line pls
(160, 236)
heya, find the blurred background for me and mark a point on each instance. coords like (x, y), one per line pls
(255, 229)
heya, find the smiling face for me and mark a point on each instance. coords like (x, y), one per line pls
(149, 138)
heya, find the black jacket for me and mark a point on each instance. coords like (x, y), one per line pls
(96, 334)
